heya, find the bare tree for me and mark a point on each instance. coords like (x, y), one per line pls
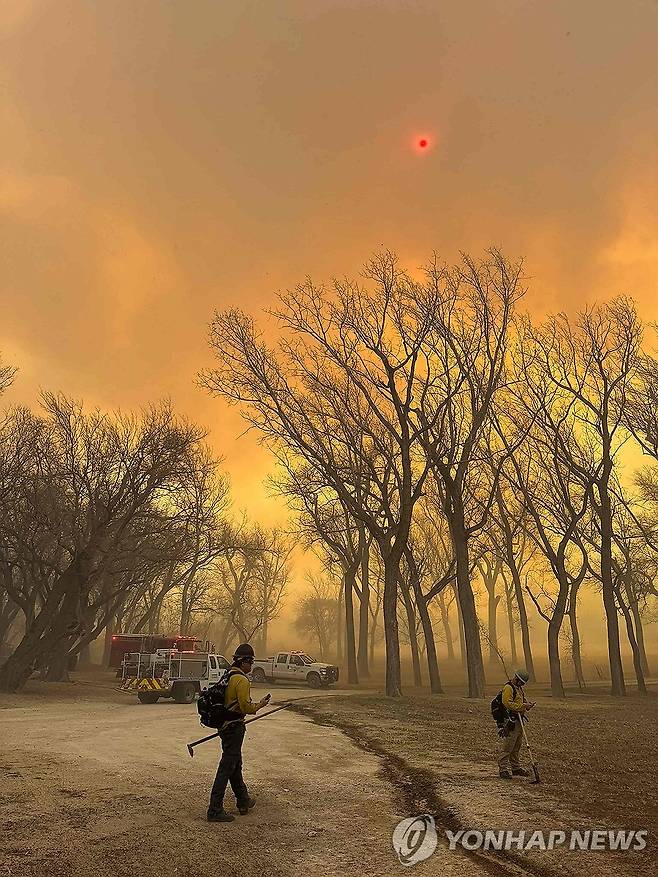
(508, 538)
(203, 501)
(490, 568)
(431, 569)
(591, 366)
(553, 475)
(252, 576)
(95, 490)
(272, 575)
(445, 601)
(322, 518)
(341, 387)
(7, 374)
(317, 613)
(467, 355)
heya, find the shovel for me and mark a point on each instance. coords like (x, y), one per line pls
(190, 746)
(535, 769)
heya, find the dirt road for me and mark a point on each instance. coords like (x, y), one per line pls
(95, 783)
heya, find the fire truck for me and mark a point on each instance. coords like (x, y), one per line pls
(170, 673)
(123, 643)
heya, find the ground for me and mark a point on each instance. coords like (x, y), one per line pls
(597, 763)
(92, 782)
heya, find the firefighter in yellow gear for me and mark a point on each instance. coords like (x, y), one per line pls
(231, 734)
(514, 700)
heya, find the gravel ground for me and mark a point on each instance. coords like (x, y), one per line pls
(93, 783)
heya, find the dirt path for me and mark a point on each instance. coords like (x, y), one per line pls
(105, 786)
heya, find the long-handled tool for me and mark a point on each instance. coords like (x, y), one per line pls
(535, 769)
(190, 746)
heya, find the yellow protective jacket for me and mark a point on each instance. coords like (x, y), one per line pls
(513, 700)
(239, 689)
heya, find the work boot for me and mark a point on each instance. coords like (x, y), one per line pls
(505, 775)
(245, 806)
(519, 772)
(220, 816)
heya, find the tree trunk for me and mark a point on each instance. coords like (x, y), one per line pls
(445, 621)
(489, 573)
(523, 621)
(557, 686)
(350, 643)
(84, 655)
(17, 669)
(391, 634)
(618, 688)
(460, 626)
(554, 628)
(340, 623)
(8, 614)
(639, 633)
(426, 622)
(364, 607)
(264, 636)
(373, 638)
(511, 625)
(224, 637)
(474, 662)
(575, 636)
(58, 664)
(492, 622)
(430, 648)
(56, 622)
(637, 660)
(413, 639)
(107, 642)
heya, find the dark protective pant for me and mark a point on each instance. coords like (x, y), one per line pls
(230, 768)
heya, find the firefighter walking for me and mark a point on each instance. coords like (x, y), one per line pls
(231, 734)
(515, 706)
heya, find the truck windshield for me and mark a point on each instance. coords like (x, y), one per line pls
(306, 659)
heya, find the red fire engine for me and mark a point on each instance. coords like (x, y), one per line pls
(123, 643)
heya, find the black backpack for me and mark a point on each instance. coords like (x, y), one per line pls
(210, 704)
(499, 712)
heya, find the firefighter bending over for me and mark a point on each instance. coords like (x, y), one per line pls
(512, 707)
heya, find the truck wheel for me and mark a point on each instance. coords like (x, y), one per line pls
(184, 692)
(259, 675)
(147, 696)
(314, 680)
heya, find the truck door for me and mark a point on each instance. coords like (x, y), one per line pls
(296, 666)
(213, 669)
(281, 666)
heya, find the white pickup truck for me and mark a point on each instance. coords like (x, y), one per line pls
(294, 667)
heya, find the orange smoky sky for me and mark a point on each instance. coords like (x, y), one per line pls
(164, 158)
